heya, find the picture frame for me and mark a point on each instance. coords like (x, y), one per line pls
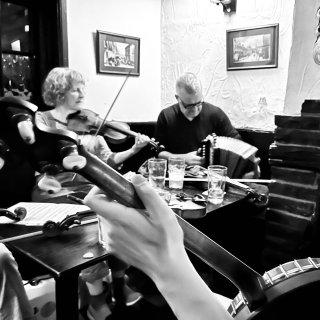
(117, 54)
(253, 48)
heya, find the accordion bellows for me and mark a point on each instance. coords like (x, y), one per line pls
(233, 153)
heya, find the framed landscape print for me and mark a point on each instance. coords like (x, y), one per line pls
(118, 54)
(253, 48)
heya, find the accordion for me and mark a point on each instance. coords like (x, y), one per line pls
(235, 154)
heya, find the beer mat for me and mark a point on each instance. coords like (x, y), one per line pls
(195, 171)
(39, 213)
(184, 205)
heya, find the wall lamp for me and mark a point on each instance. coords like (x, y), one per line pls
(228, 5)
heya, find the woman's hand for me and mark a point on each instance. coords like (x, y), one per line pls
(147, 239)
(141, 140)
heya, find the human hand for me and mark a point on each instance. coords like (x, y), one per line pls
(193, 159)
(256, 172)
(141, 140)
(147, 239)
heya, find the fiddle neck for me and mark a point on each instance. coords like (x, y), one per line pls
(125, 131)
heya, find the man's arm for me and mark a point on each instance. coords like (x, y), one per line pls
(226, 127)
(191, 158)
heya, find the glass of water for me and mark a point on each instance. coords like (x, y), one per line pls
(157, 172)
(176, 169)
(216, 183)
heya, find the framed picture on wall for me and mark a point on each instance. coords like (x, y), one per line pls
(117, 54)
(253, 48)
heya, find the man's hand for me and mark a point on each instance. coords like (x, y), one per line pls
(254, 174)
(193, 159)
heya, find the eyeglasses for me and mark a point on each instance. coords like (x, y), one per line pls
(189, 106)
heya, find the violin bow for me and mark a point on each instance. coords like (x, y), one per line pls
(115, 99)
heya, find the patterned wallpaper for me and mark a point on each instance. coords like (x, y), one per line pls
(194, 39)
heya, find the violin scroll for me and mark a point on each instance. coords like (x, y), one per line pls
(18, 214)
(156, 147)
(53, 229)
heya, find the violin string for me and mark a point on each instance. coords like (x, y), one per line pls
(115, 99)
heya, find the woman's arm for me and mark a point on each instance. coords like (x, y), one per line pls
(152, 241)
(140, 142)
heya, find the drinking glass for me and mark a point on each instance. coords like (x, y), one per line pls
(216, 183)
(157, 172)
(176, 169)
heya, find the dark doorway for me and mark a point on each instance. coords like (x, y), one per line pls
(33, 41)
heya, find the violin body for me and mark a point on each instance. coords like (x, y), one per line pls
(87, 121)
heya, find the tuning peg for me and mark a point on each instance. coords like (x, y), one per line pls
(26, 131)
(49, 184)
(71, 158)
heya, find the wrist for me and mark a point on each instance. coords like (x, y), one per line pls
(186, 293)
(134, 150)
(170, 269)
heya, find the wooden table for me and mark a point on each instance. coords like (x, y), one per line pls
(62, 256)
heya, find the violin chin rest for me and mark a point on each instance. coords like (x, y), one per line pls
(74, 162)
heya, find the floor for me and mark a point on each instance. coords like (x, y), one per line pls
(153, 306)
(142, 310)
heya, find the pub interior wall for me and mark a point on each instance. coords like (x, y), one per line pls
(139, 99)
(190, 35)
(194, 39)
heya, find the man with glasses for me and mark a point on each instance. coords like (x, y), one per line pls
(182, 126)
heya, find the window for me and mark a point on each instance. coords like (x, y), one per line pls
(17, 50)
(33, 41)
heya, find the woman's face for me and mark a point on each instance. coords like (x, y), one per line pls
(74, 98)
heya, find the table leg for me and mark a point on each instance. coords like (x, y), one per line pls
(67, 296)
